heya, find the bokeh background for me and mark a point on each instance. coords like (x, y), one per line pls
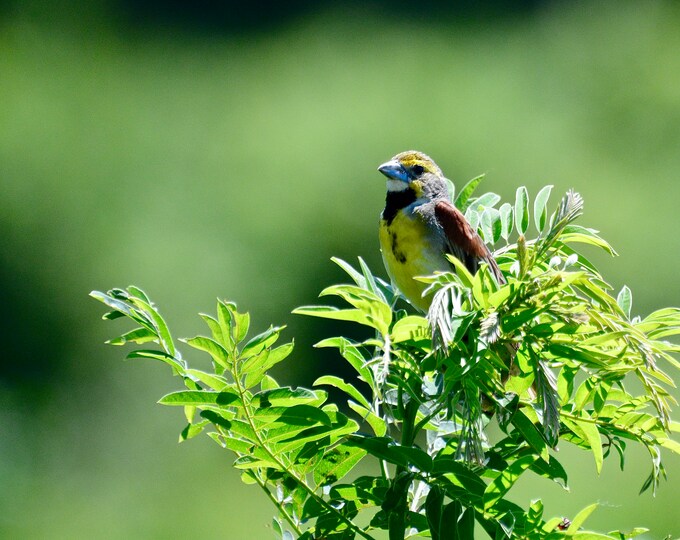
(204, 149)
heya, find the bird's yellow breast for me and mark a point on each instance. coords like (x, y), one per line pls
(410, 249)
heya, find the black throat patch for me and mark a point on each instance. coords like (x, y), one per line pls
(395, 201)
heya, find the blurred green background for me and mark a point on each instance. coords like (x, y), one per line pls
(220, 149)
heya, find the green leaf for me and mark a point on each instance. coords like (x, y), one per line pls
(580, 518)
(200, 397)
(252, 462)
(269, 383)
(491, 225)
(434, 510)
(522, 210)
(637, 531)
(375, 311)
(331, 312)
(540, 211)
(531, 434)
(410, 328)
(336, 463)
(357, 277)
(588, 432)
(315, 438)
(552, 470)
(215, 382)
(337, 382)
(241, 323)
(378, 425)
(451, 188)
(350, 352)
(370, 282)
(587, 535)
(506, 213)
(467, 191)
(176, 364)
(625, 300)
(257, 366)
(216, 418)
(386, 449)
(473, 218)
(670, 444)
(225, 320)
(297, 415)
(158, 322)
(242, 429)
(119, 306)
(287, 397)
(458, 523)
(505, 480)
(261, 341)
(584, 235)
(488, 200)
(214, 349)
(138, 335)
(459, 474)
(215, 328)
(535, 514)
(191, 430)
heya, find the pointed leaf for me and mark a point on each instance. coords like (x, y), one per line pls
(505, 480)
(522, 210)
(506, 214)
(540, 210)
(200, 397)
(491, 225)
(214, 349)
(337, 382)
(531, 434)
(467, 191)
(138, 335)
(488, 200)
(625, 300)
(336, 463)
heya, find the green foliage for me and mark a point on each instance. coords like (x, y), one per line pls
(550, 357)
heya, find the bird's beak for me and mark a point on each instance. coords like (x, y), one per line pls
(394, 171)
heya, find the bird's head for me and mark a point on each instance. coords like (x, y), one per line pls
(416, 171)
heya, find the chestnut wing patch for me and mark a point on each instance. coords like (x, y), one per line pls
(464, 243)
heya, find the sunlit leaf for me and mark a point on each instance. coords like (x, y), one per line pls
(218, 353)
(336, 463)
(588, 431)
(487, 200)
(506, 217)
(580, 518)
(540, 211)
(337, 382)
(491, 225)
(138, 335)
(157, 355)
(462, 201)
(522, 210)
(625, 300)
(505, 479)
(531, 434)
(200, 397)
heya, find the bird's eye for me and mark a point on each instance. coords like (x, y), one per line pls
(418, 170)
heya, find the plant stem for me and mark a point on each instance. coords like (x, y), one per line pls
(397, 516)
(285, 466)
(276, 503)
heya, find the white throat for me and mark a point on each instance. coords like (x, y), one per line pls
(396, 185)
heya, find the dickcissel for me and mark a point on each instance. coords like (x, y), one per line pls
(420, 226)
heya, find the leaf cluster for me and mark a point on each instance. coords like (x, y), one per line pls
(549, 357)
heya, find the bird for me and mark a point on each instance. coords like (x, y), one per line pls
(420, 226)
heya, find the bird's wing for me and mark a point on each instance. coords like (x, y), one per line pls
(463, 242)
